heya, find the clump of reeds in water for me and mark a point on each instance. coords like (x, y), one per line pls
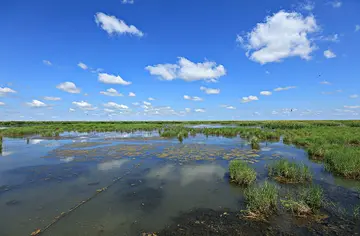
(289, 172)
(307, 202)
(255, 143)
(261, 200)
(1, 142)
(241, 173)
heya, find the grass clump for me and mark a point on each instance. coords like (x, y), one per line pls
(309, 201)
(262, 200)
(241, 173)
(344, 161)
(254, 142)
(289, 172)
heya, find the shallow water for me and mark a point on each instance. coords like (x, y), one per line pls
(149, 181)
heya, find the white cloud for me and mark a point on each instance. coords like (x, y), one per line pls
(284, 88)
(357, 28)
(113, 25)
(69, 87)
(48, 63)
(274, 112)
(265, 93)
(195, 99)
(352, 107)
(71, 110)
(307, 5)
(151, 99)
(114, 105)
(187, 109)
(329, 54)
(131, 94)
(52, 98)
(325, 82)
(282, 35)
(336, 4)
(354, 96)
(2, 104)
(127, 1)
(84, 105)
(228, 107)
(188, 71)
(111, 92)
(136, 103)
(112, 79)
(200, 110)
(210, 90)
(4, 91)
(82, 66)
(256, 113)
(331, 38)
(109, 110)
(36, 104)
(147, 103)
(249, 99)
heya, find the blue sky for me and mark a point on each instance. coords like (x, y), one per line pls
(180, 60)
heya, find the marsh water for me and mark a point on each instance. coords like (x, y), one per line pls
(135, 183)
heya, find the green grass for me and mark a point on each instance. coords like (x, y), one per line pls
(307, 202)
(290, 172)
(241, 173)
(255, 143)
(262, 200)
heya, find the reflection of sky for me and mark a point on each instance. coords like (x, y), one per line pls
(190, 174)
(36, 141)
(109, 165)
(6, 153)
(67, 159)
(161, 173)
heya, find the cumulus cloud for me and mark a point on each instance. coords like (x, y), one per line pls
(151, 99)
(71, 110)
(325, 82)
(69, 87)
(210, 90)
(111, 92)
(249, 99)
(265, 93)
(329, 54)
(82, 66)
(52, 98)
(48, 63)
(147, 103)
(2, 104)
(354, 96)
(282, 35)
(284, 88)
(256, 113)
(114, 105)
(200, 110)
(136, 103)
(195, 99)
(112, 79)
(113, 25)
(131, 94)
(84, 105)
(4, 91)
(188, 70)
(109, 110)
(36, 104)
(188, 110)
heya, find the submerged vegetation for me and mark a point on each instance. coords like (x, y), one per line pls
(261, 200)
(290, 172)
(241, 173)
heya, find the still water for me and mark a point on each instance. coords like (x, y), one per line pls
(132, 183)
